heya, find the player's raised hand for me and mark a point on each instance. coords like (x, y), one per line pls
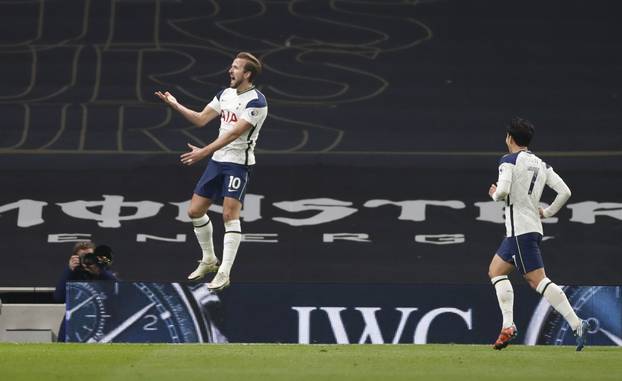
(492, 189)
(194, 155)
(167, 97)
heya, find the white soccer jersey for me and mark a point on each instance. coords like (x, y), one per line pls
(251, 106)
(522, 177)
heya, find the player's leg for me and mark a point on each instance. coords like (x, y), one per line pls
(231, 209)
(235, 181)
(498, 271)
(501, 265)
(557, 299)
(207, 189)
(197, 211)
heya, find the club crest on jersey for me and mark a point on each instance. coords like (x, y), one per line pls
(228, 116)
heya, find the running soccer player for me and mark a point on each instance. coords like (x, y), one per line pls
(522, 177)
(242, 110)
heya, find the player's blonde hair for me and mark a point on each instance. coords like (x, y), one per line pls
(252, 65)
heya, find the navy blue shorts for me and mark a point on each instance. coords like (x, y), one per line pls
(223, 180)
(523, 251)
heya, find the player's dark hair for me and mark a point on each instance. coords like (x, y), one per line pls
(252, 65)
(521, 130)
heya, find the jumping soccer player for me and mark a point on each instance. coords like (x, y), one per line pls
(242, 110)
(522, 176)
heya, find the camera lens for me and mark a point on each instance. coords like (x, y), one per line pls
(89, 259)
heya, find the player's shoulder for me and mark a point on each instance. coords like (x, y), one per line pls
(222, 92)
(509, 158)
(542, 162)
(530, 156)
(257, 99)
(520, 156)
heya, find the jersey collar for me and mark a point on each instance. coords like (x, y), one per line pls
(245, 91)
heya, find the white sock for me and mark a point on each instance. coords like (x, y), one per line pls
(233, 236)
(556, 297)
(505, 297)
(203, 231)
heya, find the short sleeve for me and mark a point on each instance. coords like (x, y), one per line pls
(215, 103)
(255, 111)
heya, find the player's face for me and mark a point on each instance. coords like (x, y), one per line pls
(236, 73)
(508, 141)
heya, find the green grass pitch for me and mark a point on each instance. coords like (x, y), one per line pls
(305, 362)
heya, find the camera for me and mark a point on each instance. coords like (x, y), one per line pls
(101, 257)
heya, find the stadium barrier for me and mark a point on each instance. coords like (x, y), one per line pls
(328, 313)
(27, 314)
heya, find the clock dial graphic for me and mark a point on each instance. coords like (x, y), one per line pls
(86, 312)
(141, 312)
(601, 306)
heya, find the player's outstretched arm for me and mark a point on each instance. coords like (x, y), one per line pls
(197, 153)
(199, 119)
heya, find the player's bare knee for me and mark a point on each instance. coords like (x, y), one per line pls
(532, 283)
(229, 216)
(195, 213)
(493, 271)
(230, 213)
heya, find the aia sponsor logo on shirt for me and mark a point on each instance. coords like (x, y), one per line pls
(228, 117)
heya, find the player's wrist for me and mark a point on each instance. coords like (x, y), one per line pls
(205, 151)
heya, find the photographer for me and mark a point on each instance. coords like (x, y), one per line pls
(87, 263)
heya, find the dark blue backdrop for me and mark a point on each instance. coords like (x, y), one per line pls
(376, 108)
(329, 313)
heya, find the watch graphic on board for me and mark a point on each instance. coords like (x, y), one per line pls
(104, 312)
(86, 312)
(601, 306)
